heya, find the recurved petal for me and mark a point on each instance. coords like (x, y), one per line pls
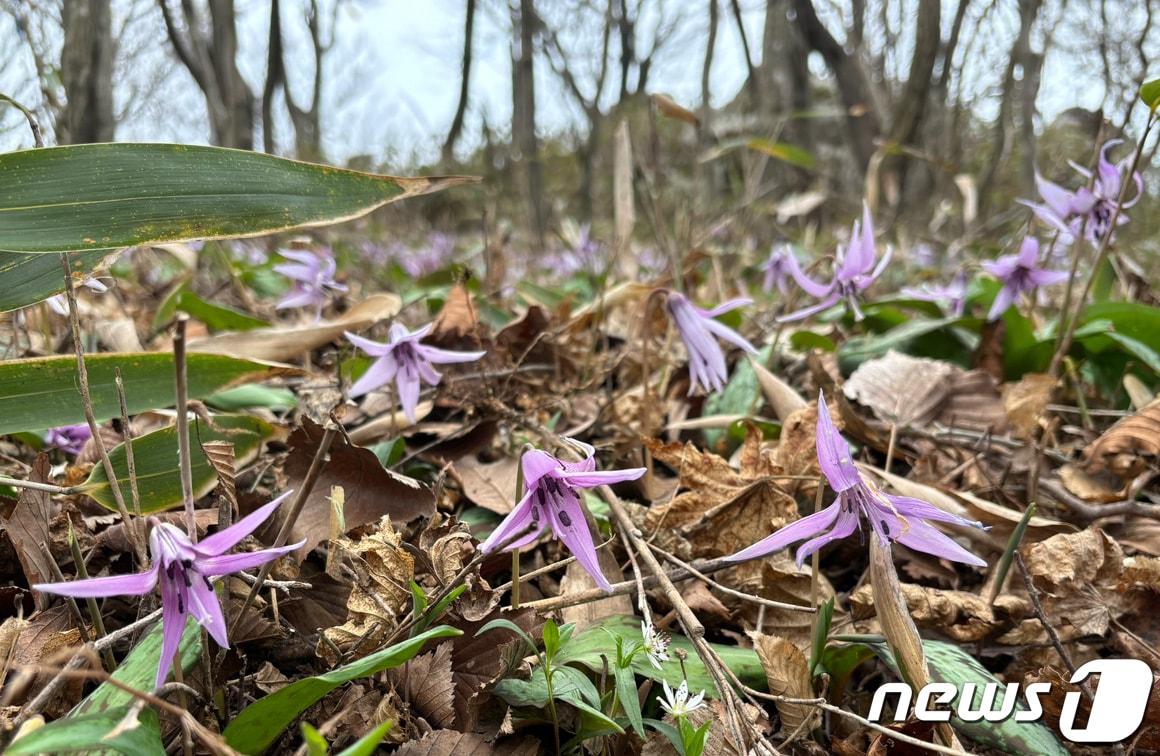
(725, 307)
(229, 563)
(571, 527)
(922, 537)
(1003, 300)
(807, 527)
(519, 520)
(224, 540)
(833, 451)
(590, 478)
(537, 463)
(808, 285)
(205, 608)
(373, 348)
(723, 331)
(846, 523)
(1047, 277)
(114, 585)
(806, 312)
(911, 508)
(381, 371)
(172, 627)
(442, 356)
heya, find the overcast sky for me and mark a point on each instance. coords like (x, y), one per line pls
(392, 79)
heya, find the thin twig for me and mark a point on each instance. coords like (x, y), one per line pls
(127, 432)
(87, 403)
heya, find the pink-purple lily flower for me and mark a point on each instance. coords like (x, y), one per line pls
(313, 277)
(952, 296)
(184, 570)
(551, 499)
(1091, 209)
(70, 439)
(406, 361)
(855, 272)
(1020, 273)
(777, 269)
(697, 328)
(892, 518)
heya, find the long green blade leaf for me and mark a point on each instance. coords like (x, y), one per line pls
(42, 392)
(29, 279)
(258, 725)
(101, 196)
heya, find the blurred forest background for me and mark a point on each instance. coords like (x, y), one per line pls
(674, 124)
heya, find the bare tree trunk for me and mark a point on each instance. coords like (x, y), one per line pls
(212, 61)
(524, 115)
(853, 86)
(1019, 59)
(86, 72)
(909, 111)
(752, 84)
(464, 84)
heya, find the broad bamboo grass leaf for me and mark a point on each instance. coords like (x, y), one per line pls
(256, 727)
(41, 392)
(31, 278)
(88, 725)
(156, 461)
(104, 196)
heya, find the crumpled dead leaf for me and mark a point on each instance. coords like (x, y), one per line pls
(1026, 402)
(901, 389)
(452, 743)
(787, 673)
(1130, 446)
(430, 689)
(964, 617)
(722, 509)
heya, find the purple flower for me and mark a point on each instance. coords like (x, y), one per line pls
(777, 269)
(953, 294)
(697, 328)
(313, 276)
(1019, 273)
(893, 518)
(551, 499)
(59, 302)
(185, 570)
(247, 251)
(406, 361)
(437, 252)
(584, 255)
(1067, 211)
(856, 271)
(70, 439)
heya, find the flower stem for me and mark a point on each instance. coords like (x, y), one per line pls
(184, 459)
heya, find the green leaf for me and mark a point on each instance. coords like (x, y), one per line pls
(568, 684)
(139, 669)
(821, 633)
(435, 612)
(87, 726)
(369, 743)
(29, 279)
(626, 692)
(738, 397)
(259, 724)
(853, 352)
(103, 196)
(156, 458)
(245, 397)
(42, 393)
(588, 648)
(316, 745)
(949, 663)
(216, 317)
(1150, 93)
(787, 153)
(88, 733)
(509, 625)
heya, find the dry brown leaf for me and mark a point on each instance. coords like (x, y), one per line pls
(478, 662)
(973, 402)
(577, 580)
(1101, 486)
(452, 743)
(371, 490)
(286, 342)
(782, 398)
(670, 108)
(894, 615)
(457, 325)
(962, 616)
(901, 389)
(1026, 401)
(722, 509)
(491, 485)
(787, 673)
(430, 689)
(220, 455)
(780, 579)
(1130, 446)
(27, 526)
(381, 596)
